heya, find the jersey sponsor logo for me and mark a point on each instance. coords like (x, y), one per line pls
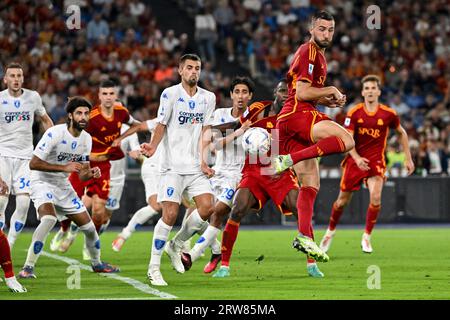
(190, 118)
(310, 68)
(347, 122)
(63, 156)
(17, 116)
(374, 133)
(170, 191)
(192, 105)
(17, 103)
(380, 122)
(111, 137)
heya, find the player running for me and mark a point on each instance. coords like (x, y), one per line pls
(369, 122)
(63, 149)
(185, 116)
(17, 113)
(304, 132)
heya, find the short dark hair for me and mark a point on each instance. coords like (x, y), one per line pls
(108, 84)
(189, 56)
(75, 102)
(322, 14)
(13, 65)
(242, 80)
(372, 77)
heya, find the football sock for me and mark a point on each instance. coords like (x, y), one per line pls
(139, 218)
(371, 217)
(160, 235)
(216, 247)
(38, 240)
(92, 242)
(305, 207)
(190, 226)
(104, 227)
(208, 237)
(229, 237)
(322, 148)
(5, 256)
(18, 218)
(336, 214)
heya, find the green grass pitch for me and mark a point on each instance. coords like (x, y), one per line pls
(413, 264)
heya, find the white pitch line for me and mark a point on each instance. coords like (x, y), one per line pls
(132, 282)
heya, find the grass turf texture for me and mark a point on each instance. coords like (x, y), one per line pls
(414, 264)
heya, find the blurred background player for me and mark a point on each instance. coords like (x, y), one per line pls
(185, 116)
(63, 149)
(17, 113)
(304, 132)
(106, 119)
(229, 160)
(5, 255)
(369, 122)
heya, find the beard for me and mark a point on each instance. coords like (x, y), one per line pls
(322, 44)
(192, 82)
(80, 125)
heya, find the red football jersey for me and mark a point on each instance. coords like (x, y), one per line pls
(370, 130)
(253, 114)
(105, 130)
(309, 64)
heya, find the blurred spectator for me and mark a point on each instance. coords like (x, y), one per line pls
(97, 28)
(224, 17)
(435, 160)
(206, 35)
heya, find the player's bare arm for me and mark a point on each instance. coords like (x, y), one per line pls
(86, 172)
(135, 127)
(403, 137)
(205, 141)
(222, 142)
(306, 92)
(38, 164)
(148, 149)
(46, 121)
(3, 187)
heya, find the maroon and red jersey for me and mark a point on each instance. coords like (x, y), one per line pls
(371, 129)
(308, 64)
(104, 130)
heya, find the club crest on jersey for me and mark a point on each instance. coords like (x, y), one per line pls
(170, 191)
(17, 103)
(192, 105)
(310, 68)
(74, 145)
(380, 122)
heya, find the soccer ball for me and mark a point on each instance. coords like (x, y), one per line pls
(256, 140)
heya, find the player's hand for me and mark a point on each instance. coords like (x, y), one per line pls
(96, 172)
(363, 163)
(207, 170)
(72, 167)
(134, 154)
(409, 164)
(116, 143)
(246, 125)
(337, 95)
(3, 187)
(147, 149)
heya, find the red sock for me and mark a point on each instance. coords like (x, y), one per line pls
(305, 206)
(228, 239)
(65, 224)
(5, 256)
(371, 217)
(336, 214)
(322, 148)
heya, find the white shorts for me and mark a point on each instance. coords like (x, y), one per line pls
(115, 194)
(150, 177)
(225, 187)
(16, 174)
(64, 198)
(173, 186)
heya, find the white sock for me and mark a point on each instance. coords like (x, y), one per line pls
(103, 227)
(18, 218)
(37, 242)
(160, 235)
(189, 227)
(216, 247)
(92, 242)
(139, 218)
(208, 237)
(3, 205)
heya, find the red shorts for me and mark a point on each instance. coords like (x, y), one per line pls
(352, 176)
(93, 186)
(295, 130)
(264, 187)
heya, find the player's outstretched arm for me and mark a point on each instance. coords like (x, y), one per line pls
(205, 141)
(148, 149)
(41, 165)
(403, 136)
(140, 127)
(306, 92)
(222, 142)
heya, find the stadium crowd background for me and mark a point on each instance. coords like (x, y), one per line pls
(123, 40)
